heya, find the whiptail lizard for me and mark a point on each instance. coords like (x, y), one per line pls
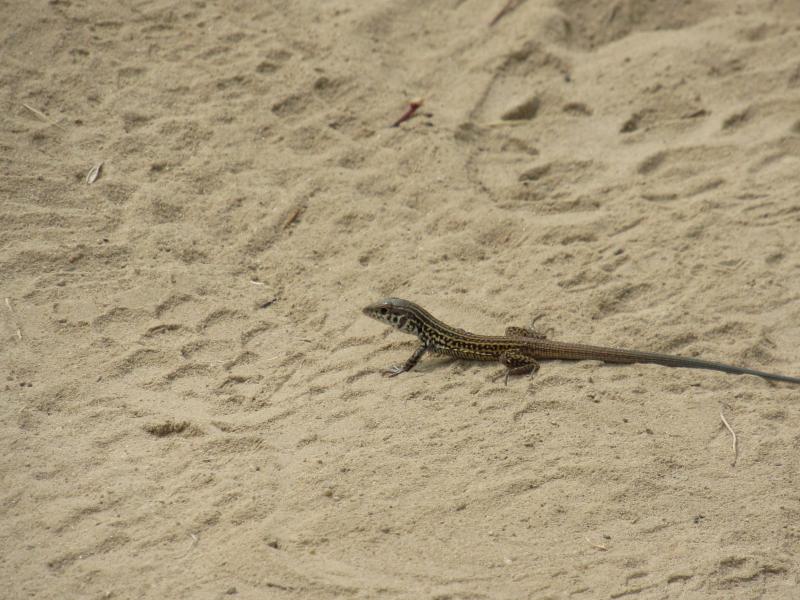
(520, 349)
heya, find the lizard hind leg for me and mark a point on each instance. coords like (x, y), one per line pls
(527, 332)
(517, 363)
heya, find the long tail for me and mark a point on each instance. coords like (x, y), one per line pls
(568, 351)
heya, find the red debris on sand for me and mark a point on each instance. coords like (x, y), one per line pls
(412, 108)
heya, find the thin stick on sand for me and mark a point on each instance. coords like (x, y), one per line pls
(293, 216)
(510, 5)
(735, 440)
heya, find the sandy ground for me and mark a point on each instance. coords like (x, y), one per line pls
(192, 404)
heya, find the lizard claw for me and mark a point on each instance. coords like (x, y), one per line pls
(392, 371)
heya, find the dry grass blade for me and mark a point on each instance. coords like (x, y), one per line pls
(11, 310)
(94, 173)
(38, 113)
(735, 440)
(41, 115)
(597, 546)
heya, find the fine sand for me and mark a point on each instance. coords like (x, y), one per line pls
(192, 404)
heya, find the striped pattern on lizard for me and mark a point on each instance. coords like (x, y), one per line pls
(521, 349)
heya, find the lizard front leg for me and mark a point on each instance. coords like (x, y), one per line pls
(408, 365)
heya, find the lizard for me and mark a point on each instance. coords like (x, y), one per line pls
(521, 348)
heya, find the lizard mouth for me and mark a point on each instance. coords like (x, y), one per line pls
(376, 311)
(371, 311)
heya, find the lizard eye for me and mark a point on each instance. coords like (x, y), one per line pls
(384, 311)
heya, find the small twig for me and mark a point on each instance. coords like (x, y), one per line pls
(510, 5)
(293, 216)
(598, 546)
(412, 108)
(267, 303)
(735, 440)
(285, 588)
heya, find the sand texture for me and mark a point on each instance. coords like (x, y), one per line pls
(192, 404)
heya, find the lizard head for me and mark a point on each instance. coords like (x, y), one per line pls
(400, 314)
